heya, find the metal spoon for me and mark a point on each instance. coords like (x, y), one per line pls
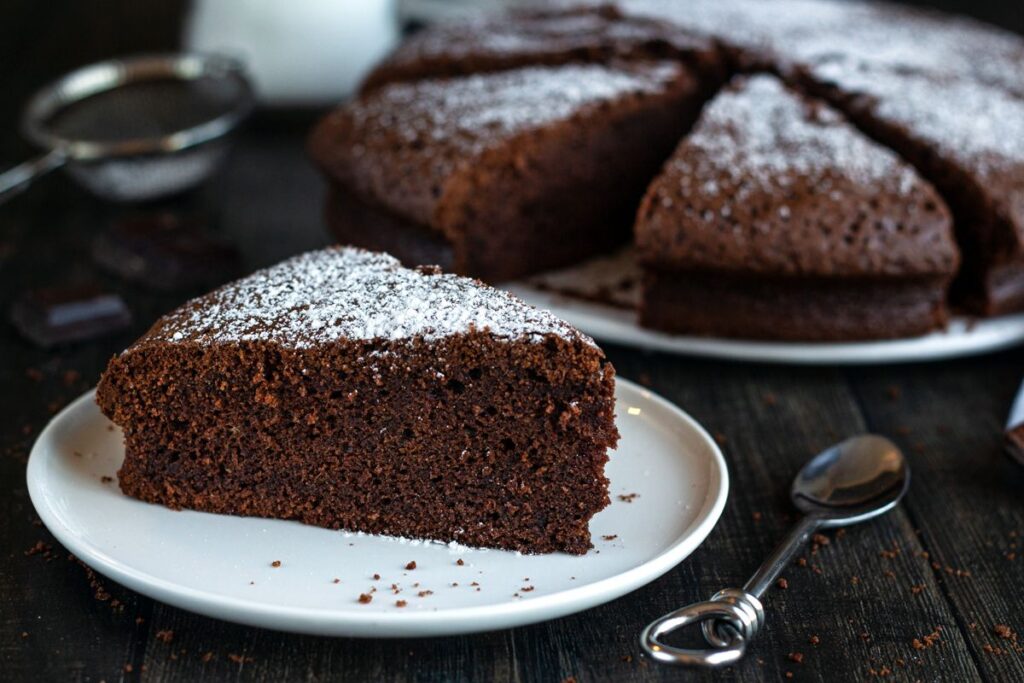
(853, 481)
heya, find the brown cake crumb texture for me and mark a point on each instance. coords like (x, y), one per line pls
(342, 390)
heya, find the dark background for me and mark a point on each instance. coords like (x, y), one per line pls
(944, 565)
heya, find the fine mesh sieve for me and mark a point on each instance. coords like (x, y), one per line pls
(135, 129)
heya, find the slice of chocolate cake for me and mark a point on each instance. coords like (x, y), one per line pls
(342, 390)
(548, 37)
(504, 174)
(777, 219)
(968, 139)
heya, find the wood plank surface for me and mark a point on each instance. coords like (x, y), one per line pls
(966, 499)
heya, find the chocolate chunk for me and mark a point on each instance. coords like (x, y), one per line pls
(165, 251)
(53, 316)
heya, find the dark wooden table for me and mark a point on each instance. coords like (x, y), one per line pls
(923, 594)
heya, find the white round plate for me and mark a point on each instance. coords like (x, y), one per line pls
(574, 294)
(668, 487)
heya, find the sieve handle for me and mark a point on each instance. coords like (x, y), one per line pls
(21, 176)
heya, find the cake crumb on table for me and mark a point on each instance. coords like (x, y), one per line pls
(460, 562)
(400, 603)
(927, 641)
(365, 598)
(411, 565)
(1004, 632)
(275, 564)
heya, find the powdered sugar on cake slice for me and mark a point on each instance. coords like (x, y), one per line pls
(471, 113)
(789, 32)
(347, 293)
(771, 181)
(979, 126)
(761, 133)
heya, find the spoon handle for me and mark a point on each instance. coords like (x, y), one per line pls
(732, 617)
(782, 556)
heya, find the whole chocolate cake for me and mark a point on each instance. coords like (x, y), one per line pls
(343, 390)
(776, 218)
(912, 90)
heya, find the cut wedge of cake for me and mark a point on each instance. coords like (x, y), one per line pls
(776, 219)
(504, 174)
(968, 139)
(340, 389)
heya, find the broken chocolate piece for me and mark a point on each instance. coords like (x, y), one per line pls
(53, 316)
(166, 252)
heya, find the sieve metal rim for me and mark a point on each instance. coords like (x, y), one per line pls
(115, 73)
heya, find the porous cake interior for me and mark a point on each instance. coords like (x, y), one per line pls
(471, 439)
(339, 389)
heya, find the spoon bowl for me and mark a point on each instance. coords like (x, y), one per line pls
(852, 481)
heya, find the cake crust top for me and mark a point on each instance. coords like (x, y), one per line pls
(789, 33)
(551, 36)
(343, 293)
(404, 144)
(975, 127)
(773, 182)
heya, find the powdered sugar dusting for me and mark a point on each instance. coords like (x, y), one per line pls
(772, 181)
(544, 35)
(346, 293)
(809, 31)
(760, 134)
(978, 126)
(473, 112)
